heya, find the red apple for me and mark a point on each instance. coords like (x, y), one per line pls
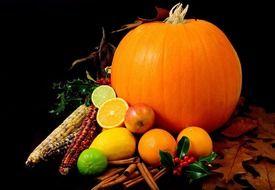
(139, 118)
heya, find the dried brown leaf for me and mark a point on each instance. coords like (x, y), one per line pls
(231, 163)
(262, 148)
(240, 126)
(100, 58)
(266, 177)
(216, 182)
(266, 129)
(256, 112)
(162, 13)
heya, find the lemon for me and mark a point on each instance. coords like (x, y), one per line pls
(101, 94)
(91, 162)
(112, 113)
(116, 143)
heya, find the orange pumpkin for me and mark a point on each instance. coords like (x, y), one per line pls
(186, 70)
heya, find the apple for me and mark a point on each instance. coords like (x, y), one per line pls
(139, 118)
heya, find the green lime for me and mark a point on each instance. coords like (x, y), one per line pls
(101, 94)
(91, 162)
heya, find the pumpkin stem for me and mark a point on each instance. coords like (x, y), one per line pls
(177, 14)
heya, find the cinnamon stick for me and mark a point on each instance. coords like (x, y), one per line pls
(130, 169)
(125, 175)
(109, 173)
(125, 161)
(138, 178)
(107, 180)
(160, 173)
(147, 176)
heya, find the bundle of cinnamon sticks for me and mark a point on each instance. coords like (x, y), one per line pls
(129, 172)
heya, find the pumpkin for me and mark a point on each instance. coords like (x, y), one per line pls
(187, 70)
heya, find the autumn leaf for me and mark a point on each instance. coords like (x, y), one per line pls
(240, 126)
(231, 163)
(262, 148)
(266, 129)
(162, 13)
(215, 182)
(100, 58)
(265, 178)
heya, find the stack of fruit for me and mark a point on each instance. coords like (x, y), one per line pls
(110, 135)
(168, 90)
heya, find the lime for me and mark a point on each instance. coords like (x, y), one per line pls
(101, 94)
(91, 161)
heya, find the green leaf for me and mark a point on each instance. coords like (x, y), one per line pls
(195, 175)
(183, 147)
(212, 156)
(166, 159)
(72, 94)
(198, 167)
(196, 170)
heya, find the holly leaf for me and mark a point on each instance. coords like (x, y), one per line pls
(211, 157)
(183, 147)
(166, 159)
(196, 170)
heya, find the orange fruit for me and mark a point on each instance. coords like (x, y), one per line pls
(112, 113)
(200, 142)
(152, 142)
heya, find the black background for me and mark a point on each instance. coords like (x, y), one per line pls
(40, 39)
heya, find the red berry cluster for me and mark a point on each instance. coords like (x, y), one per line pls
(104, 81)
(181, 163)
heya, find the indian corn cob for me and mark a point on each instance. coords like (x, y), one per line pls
(86, 134)
(70, 124)
(61, 146)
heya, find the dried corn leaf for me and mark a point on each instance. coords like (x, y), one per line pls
(162, 13)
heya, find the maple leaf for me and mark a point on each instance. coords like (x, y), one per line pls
(231, 163)
(265, 178)
(262, 148)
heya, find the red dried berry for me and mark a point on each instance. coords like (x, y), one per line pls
(185, 158)
(176, 160)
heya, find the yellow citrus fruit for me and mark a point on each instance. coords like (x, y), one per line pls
(200, 142)
(112, 113)
(101, 94)
(152, 142)
(117, 143)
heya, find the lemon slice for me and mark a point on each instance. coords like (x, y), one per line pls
(112, 113)
(102, 94)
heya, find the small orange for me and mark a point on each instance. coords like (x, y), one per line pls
(200, 142)
(152, 142)
(111, 113)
